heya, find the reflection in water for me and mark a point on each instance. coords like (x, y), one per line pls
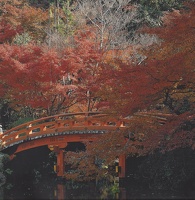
(28, 183)
(60, 194)
(54, 190)
(88, 193)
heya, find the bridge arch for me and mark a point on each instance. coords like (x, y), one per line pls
(57, 131)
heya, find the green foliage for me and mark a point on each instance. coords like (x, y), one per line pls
(63, 21)
(114, 188)
(109, 191)
(9, 186)
(4, 158)
(22, 39)
(8, 171)
(67, 28)
(151, 11)
(20, 121)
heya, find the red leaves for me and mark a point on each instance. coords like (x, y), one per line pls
(165, 78)
(129, 88)
(168, 66)
(26, 78)
(179, 131)
(8, 32)
(82, 166)
(36, 76)
(39, 77)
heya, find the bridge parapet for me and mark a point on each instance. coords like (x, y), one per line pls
(69, 123)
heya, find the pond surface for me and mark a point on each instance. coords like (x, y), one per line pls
(53, 189)
(33, 179)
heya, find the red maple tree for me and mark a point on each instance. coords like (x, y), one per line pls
(39, 77)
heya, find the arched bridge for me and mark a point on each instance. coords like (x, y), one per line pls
(56, 131)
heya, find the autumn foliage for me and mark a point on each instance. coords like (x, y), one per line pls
(39, 77)
(18, 17)
(156, 94)
(164, 83)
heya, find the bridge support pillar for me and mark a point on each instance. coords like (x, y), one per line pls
(58, 149)
(122, 164)
(60, 163)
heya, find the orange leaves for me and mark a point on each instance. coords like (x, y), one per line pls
(108, 146)
(10, 11)
(93, 163)
(31, 16)
(82, 166)
(122, 54)
(18, 14)
(142, 135)
(32, 21)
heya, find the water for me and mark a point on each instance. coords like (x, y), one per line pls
(51, 189)
(33, 179)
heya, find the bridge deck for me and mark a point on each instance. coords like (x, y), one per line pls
(63, 124)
